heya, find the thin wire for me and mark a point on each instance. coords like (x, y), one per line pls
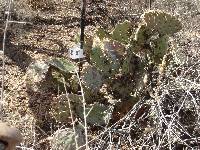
(20, 22)
(84, 111)
(82, 25)
(3, 54)
(71, 113)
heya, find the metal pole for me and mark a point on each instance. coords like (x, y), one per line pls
(82, 26)
(83, 9)
(150, 2)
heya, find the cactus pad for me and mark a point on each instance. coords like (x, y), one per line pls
(122, 32)
(142, 34)
(160, 48)
(99, 114)
(61, 111)
(63, 65)
(161, 22)
(99, 60)
(73, 83)
(92, 78)
(102, 34)
(114, 49)
(65, 138)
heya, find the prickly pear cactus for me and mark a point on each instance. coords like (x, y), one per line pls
(97, 114)
(92, 79)
(63, 65)
(160, 49)
(65, 138)
(130, 55)
(118, 65)
(99, 60)
(153, 33)
(102, 34)
(161, 22)
(122, 32)
(60, 109)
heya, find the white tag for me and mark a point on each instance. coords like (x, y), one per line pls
(7, 12)
(76, 52)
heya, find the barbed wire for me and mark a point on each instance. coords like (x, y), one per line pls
(8, 20)
(3, 55)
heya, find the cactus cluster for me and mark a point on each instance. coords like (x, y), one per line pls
(117, 65)
(125, 59)
(152, 35)
(122, 55)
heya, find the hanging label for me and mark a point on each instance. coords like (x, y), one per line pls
(76, 52)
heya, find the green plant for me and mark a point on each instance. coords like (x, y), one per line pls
(49, 74)
(120, 64)
(97, 114)
(65, 138)
(137, 54)
(61, 110)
